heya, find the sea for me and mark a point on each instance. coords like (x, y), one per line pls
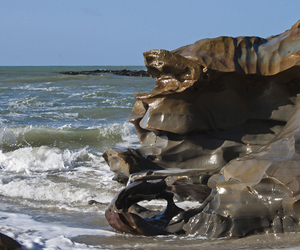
(53, 131)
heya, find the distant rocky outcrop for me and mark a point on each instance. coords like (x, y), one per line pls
(123, 72)
(221, 127)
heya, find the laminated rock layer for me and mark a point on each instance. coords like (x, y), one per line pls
(221, 127)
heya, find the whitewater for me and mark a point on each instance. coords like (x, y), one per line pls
(53, 131)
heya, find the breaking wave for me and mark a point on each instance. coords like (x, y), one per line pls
(99, 138)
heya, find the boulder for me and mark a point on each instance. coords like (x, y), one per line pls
(221, 127)
(7, 243)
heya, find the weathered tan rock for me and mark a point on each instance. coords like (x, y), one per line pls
(127, 161)
(221, 127)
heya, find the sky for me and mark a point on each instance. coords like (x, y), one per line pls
(117, 32)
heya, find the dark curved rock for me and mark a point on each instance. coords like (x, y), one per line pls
(221, 127)
(123, 72)
(7, 243)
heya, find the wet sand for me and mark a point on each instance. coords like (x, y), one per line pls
(265, 241)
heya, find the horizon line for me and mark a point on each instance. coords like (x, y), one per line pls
(73, 65)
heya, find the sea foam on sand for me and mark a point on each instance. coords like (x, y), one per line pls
(36, 235)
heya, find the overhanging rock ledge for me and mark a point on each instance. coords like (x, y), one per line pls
(221, 127)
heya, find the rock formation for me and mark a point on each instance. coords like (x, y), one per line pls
(221, 127)
(122, 72)
(7, 243)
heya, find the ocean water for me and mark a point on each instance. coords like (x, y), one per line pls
(53, 131)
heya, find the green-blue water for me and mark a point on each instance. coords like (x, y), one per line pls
(41, 107)
(53, 130)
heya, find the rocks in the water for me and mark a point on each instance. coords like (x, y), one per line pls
(127, 162)
(7, 243)
(123, 72)
(221, 127)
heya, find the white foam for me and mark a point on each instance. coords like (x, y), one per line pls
(71, 115)
(45, 177)
(12, 135)
(45, 190)
(34, 235)
(38, 159)
(126, 132)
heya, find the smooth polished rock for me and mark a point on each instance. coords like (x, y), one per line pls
(7, 243)
(221, 128)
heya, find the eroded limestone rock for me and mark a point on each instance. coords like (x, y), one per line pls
(222, 128)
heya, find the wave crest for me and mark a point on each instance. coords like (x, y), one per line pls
(40, 159)
(99, 138)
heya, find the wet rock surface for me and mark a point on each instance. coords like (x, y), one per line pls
(221, 128)
(7, 243)
(123, 72)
